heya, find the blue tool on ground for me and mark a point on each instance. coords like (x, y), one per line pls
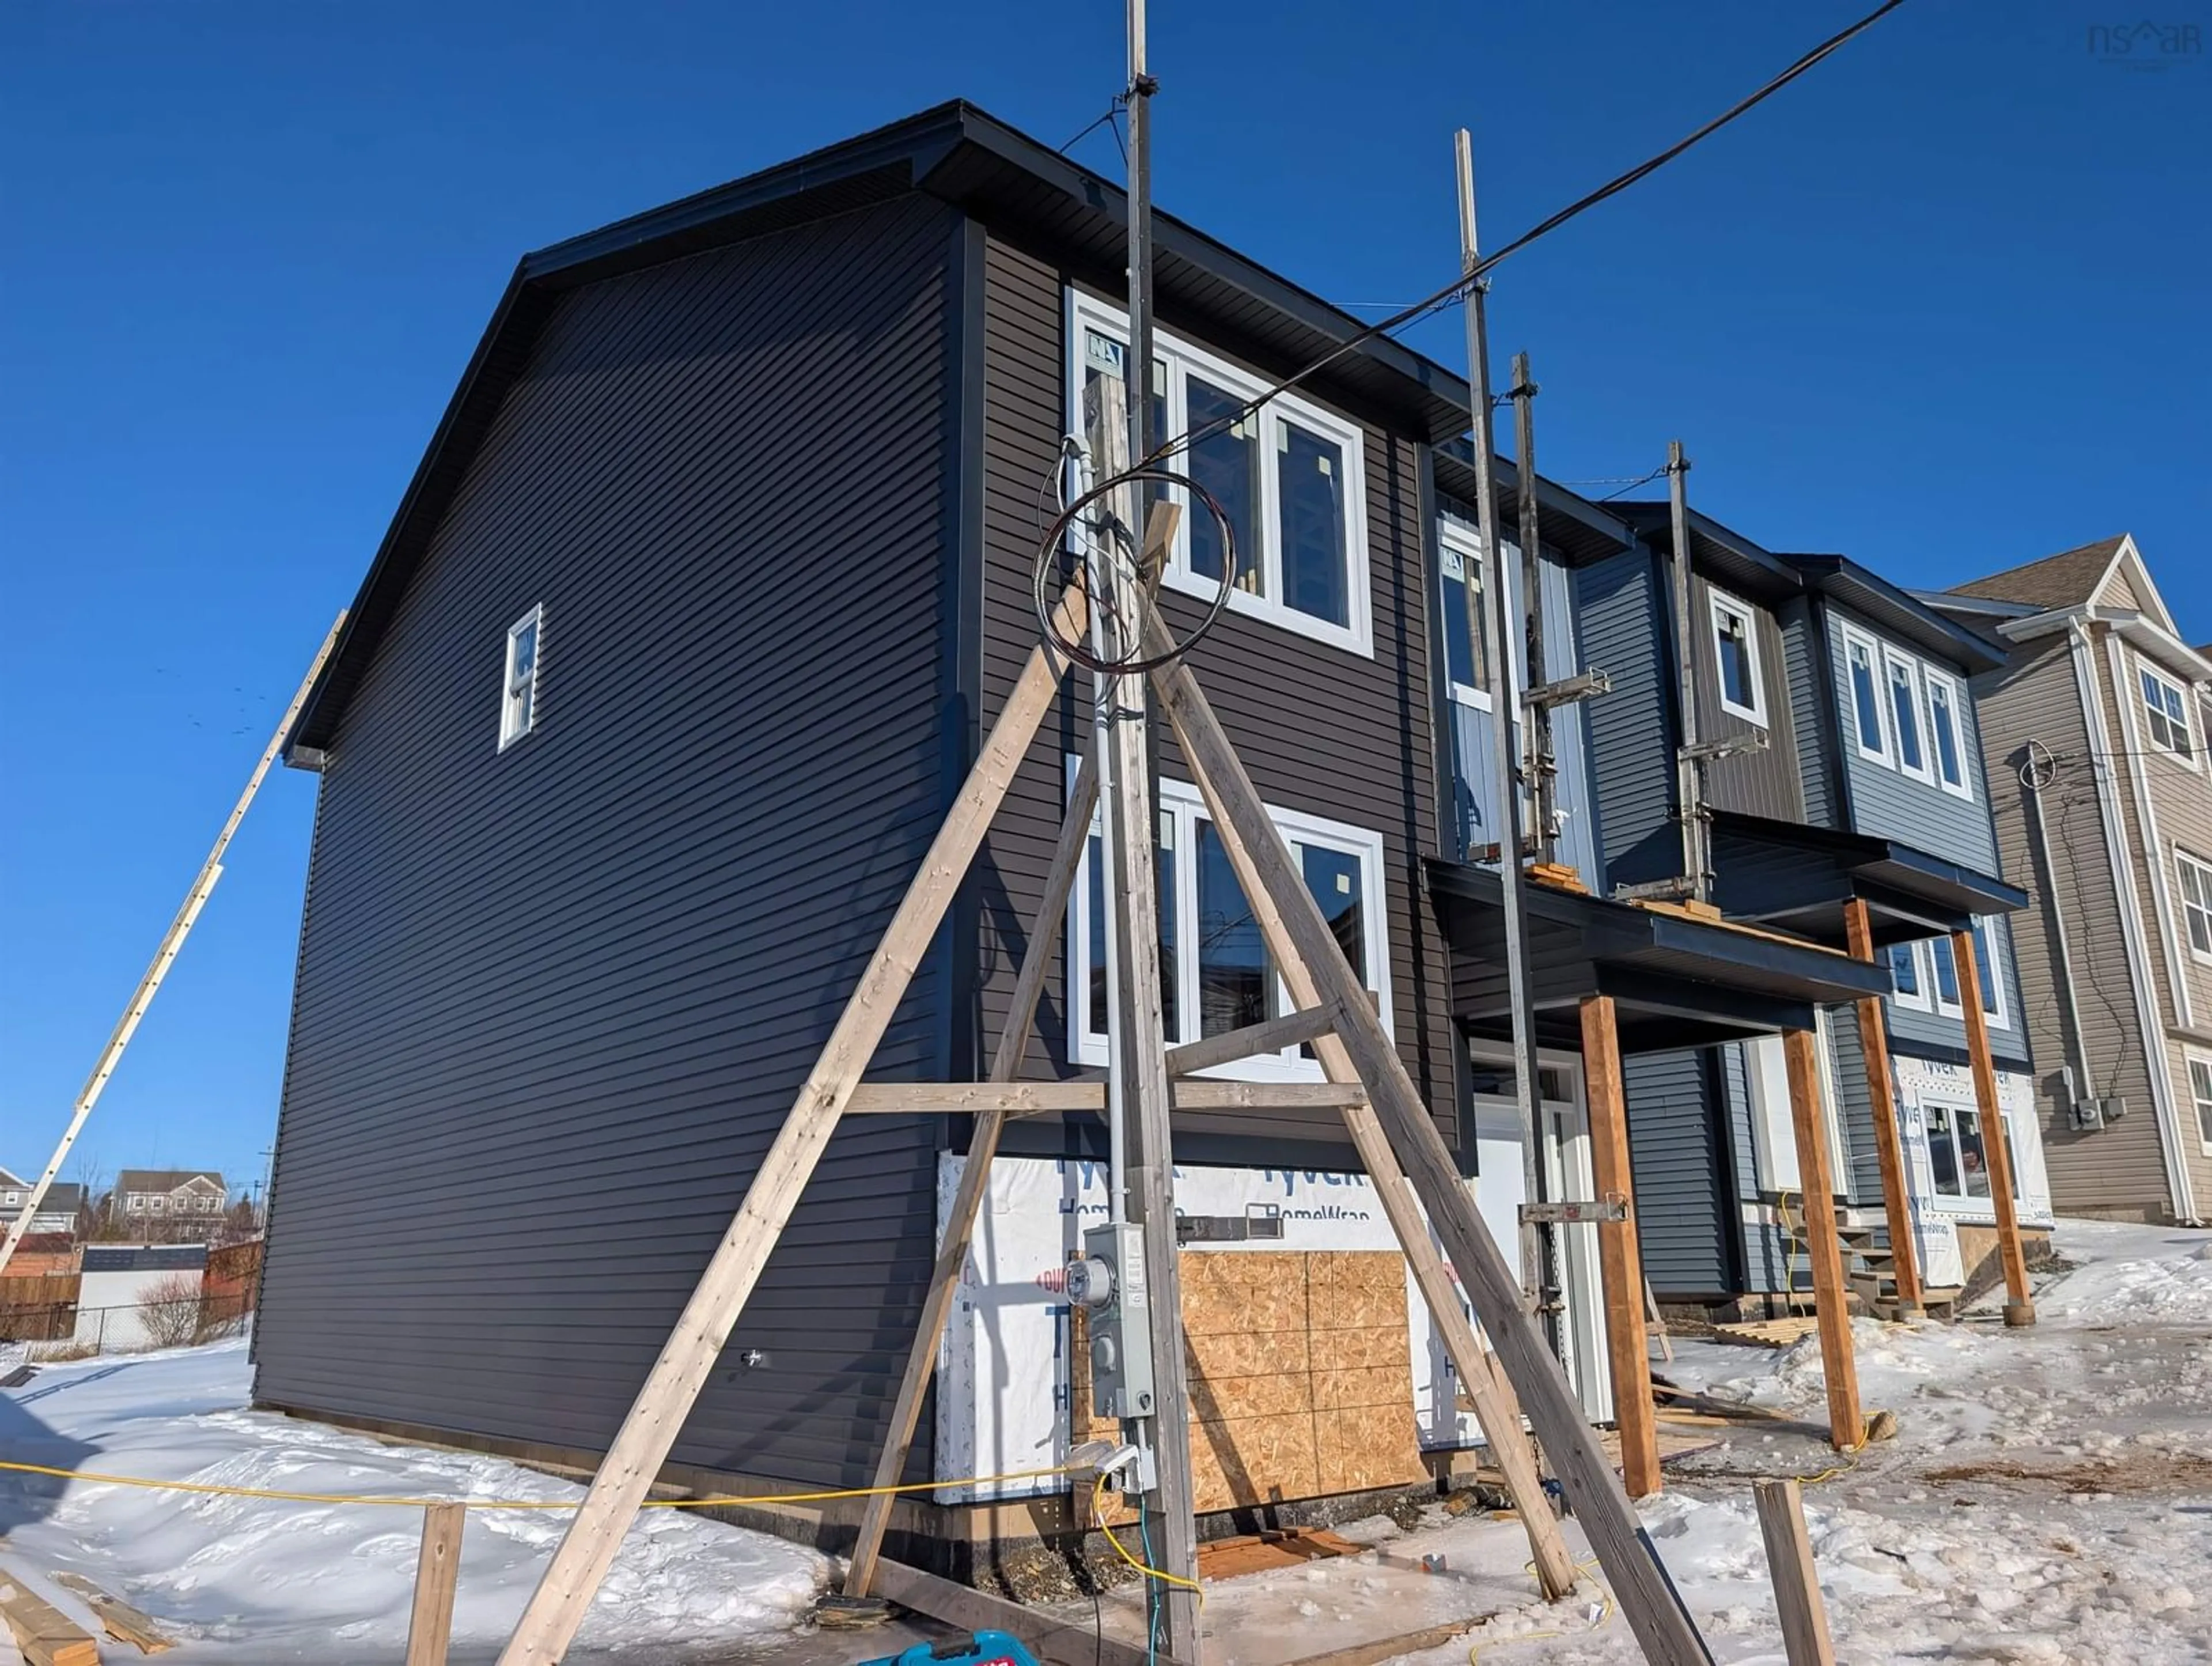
(985, 1648)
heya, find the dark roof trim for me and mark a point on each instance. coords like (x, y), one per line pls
(1578, 529)
(1718, 551)
(1882, 865)
(1897, 611)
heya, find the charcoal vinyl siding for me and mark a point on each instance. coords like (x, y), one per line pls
(1630, 731)
(1762, 783)
(1319, 729)
(1811, 713)
(554, 1003)
(1683, 1201)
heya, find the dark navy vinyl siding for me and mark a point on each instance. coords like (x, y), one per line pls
(1811, 711)
(1630, 732)
(1761, 783)
(1319, 729)
(1856, 1113)
(1677, 1152)
(554, 1003)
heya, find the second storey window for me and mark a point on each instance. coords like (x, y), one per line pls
(1905, 974)
(1290, 477)
(517, 707)
(1735, 659)
(2166, 714)
(1903, 681)
(1944, 731)
(2200, 1090)
(1467, 657)
(2196, 876)
(1866, 698)
(1215, 972)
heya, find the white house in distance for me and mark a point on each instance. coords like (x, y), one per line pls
(168, 1203)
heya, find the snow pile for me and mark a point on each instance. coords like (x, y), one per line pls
(293, 1578)
(2133, 1274)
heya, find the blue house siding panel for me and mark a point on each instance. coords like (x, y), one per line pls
(1935, 1034)
(1579, 832)
(1630, 732)
(1682, 1201)
(1855, 1111)
(1809, 712)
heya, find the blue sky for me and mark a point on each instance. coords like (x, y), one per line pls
(1941, 306)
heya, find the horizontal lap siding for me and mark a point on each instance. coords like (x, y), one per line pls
(1682, 1201)
(554, 1004)
(1319, 729)
(1630, 732)
(1761, 783)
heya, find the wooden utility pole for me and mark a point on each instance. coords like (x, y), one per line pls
(1996, 1157)
(1801, 1060)
(1621, 1257)
(1504, 708)
(172, 940)
(1888, 1138)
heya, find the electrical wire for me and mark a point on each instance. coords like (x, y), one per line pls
(1129, 630)
(1461, 287)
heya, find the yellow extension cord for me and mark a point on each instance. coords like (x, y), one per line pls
(1121, 1550)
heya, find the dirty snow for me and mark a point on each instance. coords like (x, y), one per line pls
(239, 1579)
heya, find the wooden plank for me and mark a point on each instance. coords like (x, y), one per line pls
(1888, 1138)
(1767, 1333)
(1053, 1641)
(45, 1635)
(1269, 1036)
(121, 1621)
(1039, 1098)
(1270, 1552)
(1619, 1255)
(437, 1573)
(1038, 959)
(572, 1577)
(1796, 1582)
(2020, 1309)
(1297, 934)
(1846, 1429)
(1390, 1648)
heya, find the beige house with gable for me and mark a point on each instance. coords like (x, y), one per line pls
(2095, 734)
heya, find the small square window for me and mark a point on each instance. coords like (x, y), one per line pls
(518, 711)
(2166, 714)
(1735, 659)
(2196, 876)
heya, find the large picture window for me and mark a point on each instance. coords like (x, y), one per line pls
(1958, 1154)
(1216, 975)
(1290, 477)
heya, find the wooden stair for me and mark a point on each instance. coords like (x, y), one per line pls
(1870, 1268)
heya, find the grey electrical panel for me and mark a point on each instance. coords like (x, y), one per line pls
(1120, 1327)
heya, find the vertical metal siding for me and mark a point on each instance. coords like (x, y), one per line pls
(1319, 729)
(554, 1003)
(1630, 732)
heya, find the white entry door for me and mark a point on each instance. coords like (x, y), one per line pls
(1563, 1174)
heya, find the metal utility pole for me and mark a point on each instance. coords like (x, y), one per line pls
(1542, 765)
(1689, 761)
(1506, 811)
(172, 940)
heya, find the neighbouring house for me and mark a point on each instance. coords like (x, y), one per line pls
(132, 1296)
(2095, 724)
(169, 1204)
(682, 639)
(58, 1209)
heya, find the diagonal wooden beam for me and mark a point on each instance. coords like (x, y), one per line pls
(573, 1577)
(1888, 1138)
(1006, 1061)
(1661, 1624)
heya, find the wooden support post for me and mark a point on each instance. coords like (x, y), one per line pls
(2019, 1308)
(1619, 1256)
(437, 1574)
(1846, 1428)
(572, 1579)
(1888, 1138)
(1006, 1060)
(1655, 1612)
(1796, 1582)
(1495, 1404)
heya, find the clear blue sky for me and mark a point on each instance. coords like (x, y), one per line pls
(1941, 306)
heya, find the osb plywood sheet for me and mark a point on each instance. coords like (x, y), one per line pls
(1301, 1375)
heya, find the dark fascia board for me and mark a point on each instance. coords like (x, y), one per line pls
(1884, 861)
(1577, 528)
(1718, 551)
(1897, 611)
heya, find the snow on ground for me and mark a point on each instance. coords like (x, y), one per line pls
(251, 1580)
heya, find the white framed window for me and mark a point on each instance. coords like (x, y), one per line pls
(1945, 965)
(1459, 565)
(1947, 734)
(1869, 726)
(1957, 1156)
(1907, 975)
(1991, 974)
(2194, 874)
(2200, 1093)
(1215, 972)
(518, 703)
(1736, 657)
(1291, 478)
(1901, 684)
(2165, 714)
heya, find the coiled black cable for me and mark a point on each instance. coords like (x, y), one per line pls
(1129, 630)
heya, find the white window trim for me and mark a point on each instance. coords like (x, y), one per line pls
(1718, 602)
(1965, 1103)
(1182, 800)
(1874, 650)
(1999, 1016)
(1358, 635)
(1456, 543)
(1931, 680)
(533, 621)
(1923, 1000)
(2190, 1058)
(2184, 860)
(2145, 666)
(1891, 658)
(1949, 1009)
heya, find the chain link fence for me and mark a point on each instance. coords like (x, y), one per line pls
(55, 1331)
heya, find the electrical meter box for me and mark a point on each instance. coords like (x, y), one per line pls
(1121, 1330)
